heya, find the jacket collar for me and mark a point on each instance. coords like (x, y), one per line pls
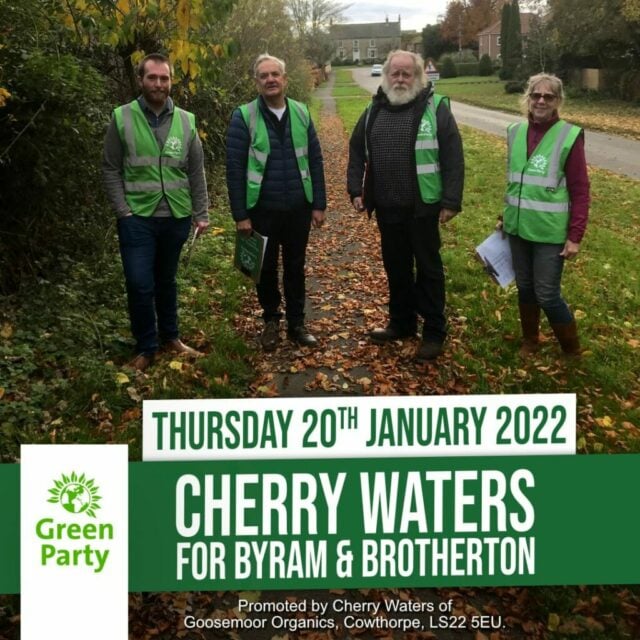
(168, 106)
(543, 127)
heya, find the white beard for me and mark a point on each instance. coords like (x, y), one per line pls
(400, 96)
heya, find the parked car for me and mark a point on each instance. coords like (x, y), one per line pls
(376, 70)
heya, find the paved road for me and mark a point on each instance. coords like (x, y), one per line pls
(614, 153)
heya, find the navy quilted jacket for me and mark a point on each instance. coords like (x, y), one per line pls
(281, 186)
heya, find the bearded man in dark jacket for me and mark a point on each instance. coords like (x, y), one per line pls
(406, 163)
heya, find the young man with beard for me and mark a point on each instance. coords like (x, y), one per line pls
(406, 163)
(153, 169)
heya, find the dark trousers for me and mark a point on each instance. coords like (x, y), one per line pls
(411, 257)
(150, 250)
(288, 230)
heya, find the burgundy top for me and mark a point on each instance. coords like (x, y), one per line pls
(576, 173)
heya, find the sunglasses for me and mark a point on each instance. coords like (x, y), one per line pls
(547, 97)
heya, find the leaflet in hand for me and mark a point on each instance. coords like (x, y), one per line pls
(495, 254)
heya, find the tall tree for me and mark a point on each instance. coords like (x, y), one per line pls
(601, 33)
(255, 27)
(515, 37)
(464, 19)
(433, 45)
(505, 22)
(541, 47)
(129, 29)
(311, 19)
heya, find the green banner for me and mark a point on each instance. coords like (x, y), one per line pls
(10, 528)
(384, 523)
(415, 522)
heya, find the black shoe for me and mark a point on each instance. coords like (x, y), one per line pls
(301, 336)
(270, 335)
(389, 333)
(429, 350)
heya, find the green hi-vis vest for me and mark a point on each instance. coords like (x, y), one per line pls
(259, 147)
(537, 199)
(150, 172)
(426, 151)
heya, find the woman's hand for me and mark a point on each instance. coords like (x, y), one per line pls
(570, 249)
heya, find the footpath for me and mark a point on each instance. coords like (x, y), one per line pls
(346, 297)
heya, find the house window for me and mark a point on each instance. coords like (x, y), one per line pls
(372, 43)
(498, 40)
(371, 53)
(356, 45)
(340, 45)
(341, 53)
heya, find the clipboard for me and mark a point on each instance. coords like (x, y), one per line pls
(495, 254)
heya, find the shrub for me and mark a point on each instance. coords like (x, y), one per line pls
(51, 142)
(485, 66)
(467, 68)
(629, 85)
(515, 86)
(466, 55)
(448, 68)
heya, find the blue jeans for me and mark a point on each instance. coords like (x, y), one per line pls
(150, 250)
(538, 268)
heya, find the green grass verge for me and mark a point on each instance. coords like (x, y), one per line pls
(350, 90)
(63, 344)
(342, 76)
(602, 286)
(590, 110)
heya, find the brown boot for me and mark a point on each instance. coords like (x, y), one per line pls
(180, 348)
(530, 323)
(567, 335)
(141, 362)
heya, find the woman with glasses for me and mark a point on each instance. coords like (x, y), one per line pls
(546, 210)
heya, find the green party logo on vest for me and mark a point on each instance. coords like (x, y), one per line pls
(539, 164)
(71, 543)
(174, 145)
(425, 130)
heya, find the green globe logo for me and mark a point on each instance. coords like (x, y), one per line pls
(76, 494)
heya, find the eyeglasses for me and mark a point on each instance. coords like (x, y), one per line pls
(547, 97)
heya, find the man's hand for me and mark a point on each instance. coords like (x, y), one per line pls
(244, 227)
(199, 227)
(358, 204)
(317, 218)
(570, 249)
(446, 215)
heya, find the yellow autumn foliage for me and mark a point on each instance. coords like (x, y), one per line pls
(4, 96)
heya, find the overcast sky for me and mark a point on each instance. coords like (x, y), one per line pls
(414, 14)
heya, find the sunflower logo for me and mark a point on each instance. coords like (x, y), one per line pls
(76, 494)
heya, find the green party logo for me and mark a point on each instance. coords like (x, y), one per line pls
(76, 494)
(71, 544)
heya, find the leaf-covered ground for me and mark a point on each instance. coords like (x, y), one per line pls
(347, 296)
